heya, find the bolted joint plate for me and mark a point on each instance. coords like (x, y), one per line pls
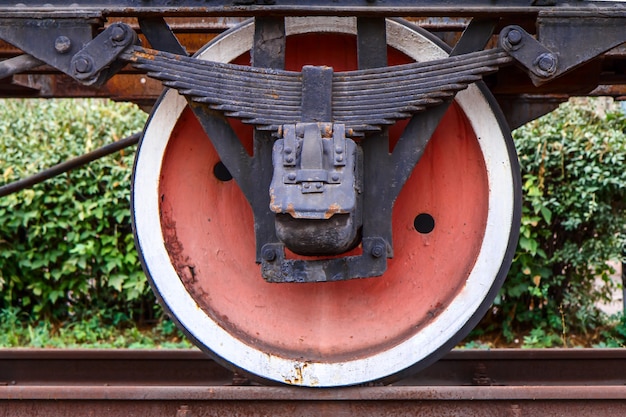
(315, 172)
(96, 62)
(315, 190)
(276, 268)
(541, 63)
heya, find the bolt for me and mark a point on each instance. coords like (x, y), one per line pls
(378, 251)
(269, 254)
(118, 34)
(339, 149)
(82, 65)
(288, 150)
(318, 185)
(335, 177)
(289, 159)
(546, 62)
(62, 44)
(339, 158)
(291, 177)
(514, 37)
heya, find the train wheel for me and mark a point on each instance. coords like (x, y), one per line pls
(455, 228)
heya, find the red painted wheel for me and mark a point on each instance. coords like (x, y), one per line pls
(454, 231)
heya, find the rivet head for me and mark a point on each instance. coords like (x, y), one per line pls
(335, 177)
(339, 149)
(269, 254)
(62, 44)
(291, 177)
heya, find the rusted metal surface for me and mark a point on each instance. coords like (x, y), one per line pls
(51, 367)
(187, 384)
(128, 85)
(603, 76)
(301, 7)
(497, 367)
(374, 401)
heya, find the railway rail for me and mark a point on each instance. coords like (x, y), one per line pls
(375, 199)
(175, 383)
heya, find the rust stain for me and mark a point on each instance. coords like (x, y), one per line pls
(332, 210)
(139, 54)
(291, 210)
(273, 206)
(185, 269)
(298, 379)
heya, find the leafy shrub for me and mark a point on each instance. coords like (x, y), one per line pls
(574, 219)
(66, 247)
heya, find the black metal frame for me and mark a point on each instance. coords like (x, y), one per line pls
(386, 8)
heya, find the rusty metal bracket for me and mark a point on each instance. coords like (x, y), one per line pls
(52, 41)
(577, 37)
(69, 45)
(540, 62)
(310, 158)
(96, 62)
(372, 262)
(316, 189)
(565, 40)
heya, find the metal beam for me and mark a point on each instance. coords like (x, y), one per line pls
(56, 8)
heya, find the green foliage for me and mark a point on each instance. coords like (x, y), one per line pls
(66, 247)
(574, 214)
(17, 331)
(613, 336)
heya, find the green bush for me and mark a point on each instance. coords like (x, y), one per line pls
(66, 247)
(573, 221)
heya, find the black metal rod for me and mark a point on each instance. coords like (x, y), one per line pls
(160, 36)
(18, 64)
(69, 165)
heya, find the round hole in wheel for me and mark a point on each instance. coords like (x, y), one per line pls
(221, 172)
(195, 234)
(424, 223)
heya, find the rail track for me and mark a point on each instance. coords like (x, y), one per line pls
(514, 383)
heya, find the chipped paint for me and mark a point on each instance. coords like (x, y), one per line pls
(332, 210)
